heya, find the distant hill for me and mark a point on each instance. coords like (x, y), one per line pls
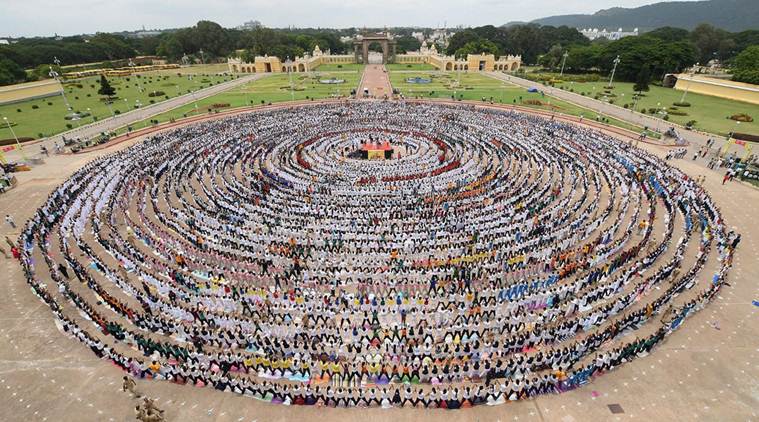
(732, 15)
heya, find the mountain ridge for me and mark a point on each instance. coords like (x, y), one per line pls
(731, 15)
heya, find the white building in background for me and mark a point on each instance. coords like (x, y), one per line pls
(145, 33)
(594, 33)
(418, 35)
(250, 25)
(440, 36)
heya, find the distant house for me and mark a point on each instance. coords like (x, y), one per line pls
(594, 33)
(250, 25)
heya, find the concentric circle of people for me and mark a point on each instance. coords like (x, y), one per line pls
(495, 257)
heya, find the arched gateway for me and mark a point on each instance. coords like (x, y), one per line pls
(361, 47)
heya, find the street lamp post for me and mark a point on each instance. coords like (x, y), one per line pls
(687, 86)
(458, 77)
(614, 69)
(132, 65)
(20, 148)
(563, 62)
(138, 104)
(288, 64)
(53, 74)
(663, 112)
(108, 103)
(192, 93)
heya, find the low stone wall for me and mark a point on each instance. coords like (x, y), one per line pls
(722, 88)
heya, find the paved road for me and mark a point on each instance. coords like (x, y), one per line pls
(621, 113)
(376, 80)
(707, 370)
(134, 116)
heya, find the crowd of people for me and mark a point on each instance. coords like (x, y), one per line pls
(499, 257)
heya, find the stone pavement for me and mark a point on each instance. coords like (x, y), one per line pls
(138, 115)
(376, 80)
(621, 113)
(707, 370)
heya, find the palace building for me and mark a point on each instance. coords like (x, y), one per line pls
(425, 55)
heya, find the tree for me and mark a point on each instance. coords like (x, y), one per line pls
(662, 57)
(746, 39)
(111, 46)
(407, 43)
(669, 34)
(460, 39)
(477, 47)
(748, 59)
(712, 43)
(644, 76)
(583, 58)
(10, 72)
(552, 59)
(171, 48)
(43, 71)
(746, 65)
(105, 87)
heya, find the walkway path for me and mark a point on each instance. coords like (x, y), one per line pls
(134, 116)
(707, 370)
(695, 138)
(376, 80)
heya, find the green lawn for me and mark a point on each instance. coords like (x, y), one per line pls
(409, 66)
(271, 88)
(48, 118)
(332, 67)
(210, 68)
(710, 113)
(475, 86)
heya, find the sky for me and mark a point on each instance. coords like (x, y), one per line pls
(70, 17)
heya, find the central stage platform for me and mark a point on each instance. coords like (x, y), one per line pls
(376, 151)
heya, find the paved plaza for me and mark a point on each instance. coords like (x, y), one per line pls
(707, 370)
(376, 80)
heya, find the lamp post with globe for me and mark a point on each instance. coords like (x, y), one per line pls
(288, 66)
(690, 80)
(20, 148)
(613, 70)
(563, 62)
(136, 76)
(53, 74)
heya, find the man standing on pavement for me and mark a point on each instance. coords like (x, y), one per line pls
(129, 385)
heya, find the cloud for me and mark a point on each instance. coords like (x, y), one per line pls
(69, 17)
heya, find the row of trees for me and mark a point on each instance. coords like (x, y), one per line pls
(528, 40)
(659, 56)
(746, 65)
(38, 53)
(663, 50)
(215, 41)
